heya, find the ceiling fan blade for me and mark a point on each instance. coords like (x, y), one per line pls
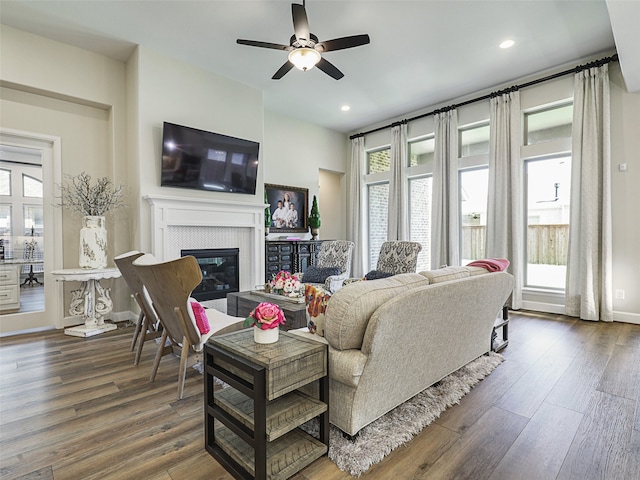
(253, 43)
(342, 43)
(330, 69)
(282, 71)
(300, 22)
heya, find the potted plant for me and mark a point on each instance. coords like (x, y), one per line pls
(93, 202)
(314, 219)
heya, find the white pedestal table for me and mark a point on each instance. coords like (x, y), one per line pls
(92, 300)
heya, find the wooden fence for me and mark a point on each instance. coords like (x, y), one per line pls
(546, 244)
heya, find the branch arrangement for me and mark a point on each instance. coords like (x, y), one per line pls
(79, 195)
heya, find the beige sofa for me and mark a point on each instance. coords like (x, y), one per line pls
(389, 339)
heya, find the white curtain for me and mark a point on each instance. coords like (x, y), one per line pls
(444, 207)
(397, 225)
(589, 282)
(355, 212)
(505, 216)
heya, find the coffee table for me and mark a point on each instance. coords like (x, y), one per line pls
(240, 304)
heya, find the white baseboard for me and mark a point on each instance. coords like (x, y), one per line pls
(127, 316)
(28, 330)
(624, 317)
(543, 307)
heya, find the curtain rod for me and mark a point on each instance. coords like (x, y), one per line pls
(577, 69)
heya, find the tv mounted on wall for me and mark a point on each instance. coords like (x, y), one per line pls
(193, 158)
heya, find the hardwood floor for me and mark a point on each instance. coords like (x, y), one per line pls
(565, 404)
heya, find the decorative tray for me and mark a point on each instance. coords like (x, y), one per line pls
(278, 297)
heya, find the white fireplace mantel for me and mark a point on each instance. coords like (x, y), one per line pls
(170, 212)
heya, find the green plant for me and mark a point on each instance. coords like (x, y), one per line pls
(314, 216)
(267, 213)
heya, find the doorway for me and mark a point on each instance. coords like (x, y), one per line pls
(30, 230)
(331, 205)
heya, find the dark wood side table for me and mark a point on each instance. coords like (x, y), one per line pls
(498, 343)
(261, 410)
(240, 304)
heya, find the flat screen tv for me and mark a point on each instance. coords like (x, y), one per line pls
(193, 158)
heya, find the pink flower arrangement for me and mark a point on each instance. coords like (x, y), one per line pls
(285, 283)
(266, 315)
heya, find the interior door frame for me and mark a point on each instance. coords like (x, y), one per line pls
(50, 150)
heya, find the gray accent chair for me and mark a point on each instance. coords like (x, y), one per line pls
(398, 257)
(334, 253)
(395, 257)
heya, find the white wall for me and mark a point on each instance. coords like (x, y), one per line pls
(294, 154)
(168, 90)
(52, 89)
(109, 116)
(625, 149)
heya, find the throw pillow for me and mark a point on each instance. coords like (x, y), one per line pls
(319, 274)
(376, 274)
(316, 299)
(202, 321)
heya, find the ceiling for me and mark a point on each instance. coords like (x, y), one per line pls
(422, 53)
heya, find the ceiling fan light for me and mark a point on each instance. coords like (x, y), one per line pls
(304, 58)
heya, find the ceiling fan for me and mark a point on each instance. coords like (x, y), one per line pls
(305, 51)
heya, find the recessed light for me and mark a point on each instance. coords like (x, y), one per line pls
(507, 44)
(345, 108)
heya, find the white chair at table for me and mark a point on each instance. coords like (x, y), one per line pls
(169, 285)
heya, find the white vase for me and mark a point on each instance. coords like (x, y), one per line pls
(93, 242)
(270, 335)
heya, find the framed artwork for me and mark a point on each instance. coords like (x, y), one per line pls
(288, 207)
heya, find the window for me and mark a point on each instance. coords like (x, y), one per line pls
(379, 161)
(420, 218)
(5, 182)
(473, 140)
(548, 185)
(377, 182)
(31, 187)
(378, 201)
(548, 124)
(474, 190)
(421, 151)
(33, 220)
(5, 221)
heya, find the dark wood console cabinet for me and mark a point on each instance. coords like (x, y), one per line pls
(292, 256)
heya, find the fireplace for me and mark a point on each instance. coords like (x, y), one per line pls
(220, 272)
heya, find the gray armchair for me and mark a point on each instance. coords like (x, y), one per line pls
(398, 257)
(395, 257)
(337, 254)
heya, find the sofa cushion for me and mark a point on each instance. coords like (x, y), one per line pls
(445, 274)
(319, 274)
(350, 308)
(473, 271)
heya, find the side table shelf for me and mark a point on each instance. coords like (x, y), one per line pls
(500, 342)
(261, 410)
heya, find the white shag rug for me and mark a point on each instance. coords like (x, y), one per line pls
(400, 425)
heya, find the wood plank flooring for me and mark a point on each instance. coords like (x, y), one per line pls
(565, 404)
